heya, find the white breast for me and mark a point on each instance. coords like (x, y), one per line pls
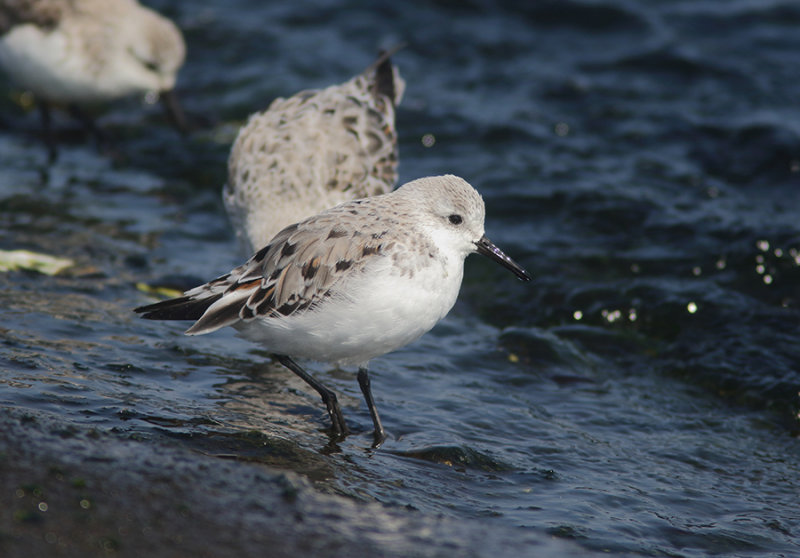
(41, 62)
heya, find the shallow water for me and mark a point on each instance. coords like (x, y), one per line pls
(642, 160)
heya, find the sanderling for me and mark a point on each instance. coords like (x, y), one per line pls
(79, 52)
(312, 151)
(352, 283)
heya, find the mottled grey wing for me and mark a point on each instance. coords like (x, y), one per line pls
(296, 271)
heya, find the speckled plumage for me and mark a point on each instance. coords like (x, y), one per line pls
(357, 281)
(312, 151)
(85, 51)
(44, 14)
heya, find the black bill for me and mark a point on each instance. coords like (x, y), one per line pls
(174, 111)
(487, 248)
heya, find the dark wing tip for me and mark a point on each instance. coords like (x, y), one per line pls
(384, 73)
(181, 308)
(384, 80)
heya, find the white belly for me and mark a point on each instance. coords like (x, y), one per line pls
(380, 313)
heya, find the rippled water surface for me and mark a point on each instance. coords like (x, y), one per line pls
(641, 159)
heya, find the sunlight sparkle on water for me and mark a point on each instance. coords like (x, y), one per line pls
(561, 129)
(611, 315)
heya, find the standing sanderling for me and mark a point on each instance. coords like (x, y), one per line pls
(312, 151)
(79, 52)
(354, 282)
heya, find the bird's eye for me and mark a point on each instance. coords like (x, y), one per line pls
(455, 219)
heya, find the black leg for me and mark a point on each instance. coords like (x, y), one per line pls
(89, 124)
(47, 132)
(328, 396)
(363, 381)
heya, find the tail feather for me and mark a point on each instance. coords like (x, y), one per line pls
(224, 310)
(384, 74)
(182, 308)
(383, 56)
(384, 79)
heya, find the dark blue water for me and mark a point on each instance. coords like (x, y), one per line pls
(641, 159)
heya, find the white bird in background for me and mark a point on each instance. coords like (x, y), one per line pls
(312, 151)
(83, 52)
(354, 282)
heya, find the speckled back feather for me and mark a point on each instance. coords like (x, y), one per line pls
(312, 151)
(42, 13)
